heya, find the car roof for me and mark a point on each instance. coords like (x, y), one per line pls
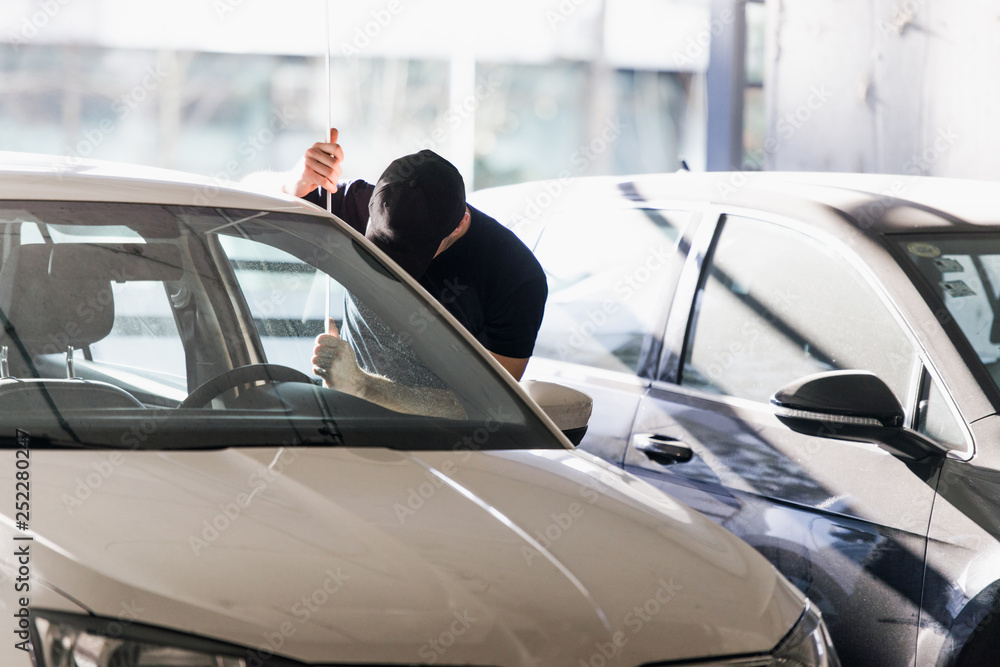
(882, 203)
(31, 176)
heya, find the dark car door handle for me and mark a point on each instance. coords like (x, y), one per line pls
(662, 449)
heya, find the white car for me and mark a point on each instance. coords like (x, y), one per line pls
(177, 490)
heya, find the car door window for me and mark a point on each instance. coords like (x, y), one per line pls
(606, 271)
(777, 305)
(936, 419)
(287, 298)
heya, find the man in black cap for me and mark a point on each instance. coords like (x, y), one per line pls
(417, 214)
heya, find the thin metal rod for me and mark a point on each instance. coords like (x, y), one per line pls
(329, 124)
(329, 91)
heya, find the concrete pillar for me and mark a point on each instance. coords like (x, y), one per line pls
(726, 79)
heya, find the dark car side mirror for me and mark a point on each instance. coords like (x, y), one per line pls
(850, 405)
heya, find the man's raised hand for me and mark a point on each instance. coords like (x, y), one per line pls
(320, 167)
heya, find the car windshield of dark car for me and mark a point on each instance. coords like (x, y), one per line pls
(964, 271)
(151, 326)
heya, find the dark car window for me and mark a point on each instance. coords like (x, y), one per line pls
(777, 305)
(963, 270)
(935, 418)
(606, 271)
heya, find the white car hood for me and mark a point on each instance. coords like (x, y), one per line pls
(354, 555)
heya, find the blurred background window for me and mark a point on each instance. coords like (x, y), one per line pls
(508, 91)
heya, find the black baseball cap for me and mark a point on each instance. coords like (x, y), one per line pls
(417, 202)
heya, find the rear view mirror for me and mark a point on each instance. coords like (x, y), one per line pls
(856, 398)
(850, 405)
(568, 408)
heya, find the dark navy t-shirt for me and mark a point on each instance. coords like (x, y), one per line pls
(488, 279)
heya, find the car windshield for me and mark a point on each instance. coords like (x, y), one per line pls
(964, 271)
(159, 327)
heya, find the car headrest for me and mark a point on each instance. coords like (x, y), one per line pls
(50, 301)
(120, 262)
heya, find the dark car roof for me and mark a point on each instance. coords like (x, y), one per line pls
(882, 203)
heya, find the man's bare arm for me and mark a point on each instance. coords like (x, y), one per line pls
(335, 362)
(513, 366)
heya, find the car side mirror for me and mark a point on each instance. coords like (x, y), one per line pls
(850, 405)
(568, 408)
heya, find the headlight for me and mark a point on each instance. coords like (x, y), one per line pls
(807, 644)
(71, 640)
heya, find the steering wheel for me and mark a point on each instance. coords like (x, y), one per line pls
(235, 377)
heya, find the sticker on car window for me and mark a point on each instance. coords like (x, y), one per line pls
(957, 288)
(948, 265)
(924, 249)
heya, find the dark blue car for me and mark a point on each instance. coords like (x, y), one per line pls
(812, 361)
